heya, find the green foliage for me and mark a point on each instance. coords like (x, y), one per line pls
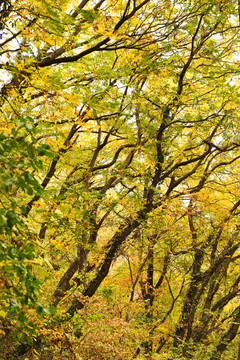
(20, 157)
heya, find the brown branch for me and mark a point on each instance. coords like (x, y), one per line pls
(52, 168)
(104, 166)
(98, 47)
(166, 262)
(228, 336)
(19, 32)
(64, 284)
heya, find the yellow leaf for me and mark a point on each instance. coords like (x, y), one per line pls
(2, 313)
(36, 352)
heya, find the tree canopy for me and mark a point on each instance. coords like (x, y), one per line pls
(119, 179)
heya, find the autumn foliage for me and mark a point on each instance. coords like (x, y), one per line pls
(119, 179)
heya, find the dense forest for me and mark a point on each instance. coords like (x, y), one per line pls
(119, 179)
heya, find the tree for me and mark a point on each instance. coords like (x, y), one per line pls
(122, 120)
